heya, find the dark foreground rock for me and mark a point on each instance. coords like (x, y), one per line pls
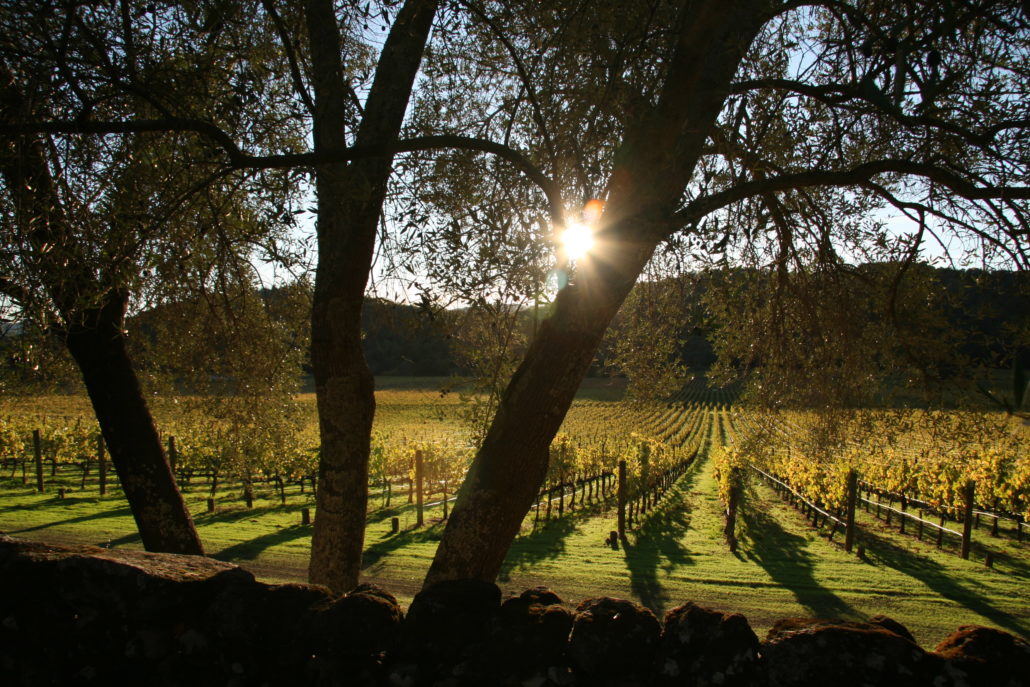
(984, 656)
(801, 652)
(701, 647)
(613, 642)
(90, 616)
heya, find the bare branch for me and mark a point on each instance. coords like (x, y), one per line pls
(241, 160)
(291, 55)
(852, 177)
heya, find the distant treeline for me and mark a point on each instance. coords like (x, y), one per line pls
(986, 312)
(982, 310)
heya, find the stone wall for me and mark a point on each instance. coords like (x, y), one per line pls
(90, 616)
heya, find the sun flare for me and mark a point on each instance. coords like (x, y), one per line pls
(577, 240)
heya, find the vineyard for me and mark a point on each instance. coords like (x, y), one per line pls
(924, 469)
(694, 488)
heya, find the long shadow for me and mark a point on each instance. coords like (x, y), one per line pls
(936, 577)
(374, 553)
(132, 538)
(241, 513)
(69, 500)
(785, 557)
(252, 548)
(114, 513)
(547, 541)
(658, 539)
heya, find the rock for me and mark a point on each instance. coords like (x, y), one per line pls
(260, 629)
(985, 656)
(447, 626)
(700, 647)
(892, 625)
(805, 652)
(613, 642)
(362, 624)
(107, 615)
(529, 640)
(542, 596)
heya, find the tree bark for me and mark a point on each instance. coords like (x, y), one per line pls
(653, 166)
(350, 200)
(96, 342)
(91, 317)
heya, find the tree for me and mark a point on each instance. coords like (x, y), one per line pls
(670, 111)
(93, 224)
(89, 315)
(354, 142)
(762, 122)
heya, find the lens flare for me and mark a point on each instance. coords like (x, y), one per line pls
(577, 239)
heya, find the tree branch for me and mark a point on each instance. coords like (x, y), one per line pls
(857, 175)
(838, 94)
(291, 55)
(241, 160)
(15, 291)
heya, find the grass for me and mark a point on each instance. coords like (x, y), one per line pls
(783, 566)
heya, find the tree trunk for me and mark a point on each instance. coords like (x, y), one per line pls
(655, 162)
(350, 199)
(96, 342)
(92, 316)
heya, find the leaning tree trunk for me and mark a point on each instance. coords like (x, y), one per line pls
(93, 335)
(350, 200)
(655, 163)
(95, 340)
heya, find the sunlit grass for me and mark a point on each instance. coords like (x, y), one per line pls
(783, 567)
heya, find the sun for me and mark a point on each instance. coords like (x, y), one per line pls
(577, 239)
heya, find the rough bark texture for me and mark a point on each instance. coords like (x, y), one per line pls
(96, 342)
(350, 199)
(91, 313)
(653, 166)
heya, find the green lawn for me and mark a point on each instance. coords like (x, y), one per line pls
(783, 566)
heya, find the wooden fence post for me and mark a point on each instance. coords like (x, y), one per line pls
(445, 500)
(967, 519)
(849, 517)
(101, 464)
(622, 499)
(173, 455)
(37, 448)
(418, 487)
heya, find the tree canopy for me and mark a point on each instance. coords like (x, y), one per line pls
(771, 134)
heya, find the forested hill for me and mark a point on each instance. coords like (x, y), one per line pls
(985, 307)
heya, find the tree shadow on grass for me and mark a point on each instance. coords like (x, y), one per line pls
(132, 538)
(657, 545)
(236, 514)
(546, 541)
(252, 548)
(392, 542)
(47, 503)
(122, 511)
(785, 557)
(937, 578)
(658, 539)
